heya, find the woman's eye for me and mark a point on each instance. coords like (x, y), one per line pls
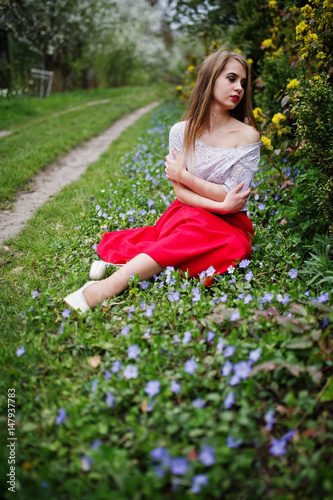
(243, 84)
(232, 79)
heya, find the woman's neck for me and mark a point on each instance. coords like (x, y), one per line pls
(218, 120)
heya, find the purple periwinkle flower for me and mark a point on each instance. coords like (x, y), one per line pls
(227, 368)
(231, 443)
(232, 281)
(174, 296)
(268, 297)
(293, 273)
(133, 351)
(196, 294)
(161, 454)
(96, 444)
(244, 263)
(229, 351)
(187, 337)
(125, 330)
(261, 206)
(34, 294)
(210, 271)
(130, 371)
(229, 400)
(61, 416)
(210, 336)
(198, 481)
(116, 366)
(224, 298)
(248, 299)
(107, 375)
(150, 310)
(175, 387)
(94, 386)
(198, 403)
(242, 369)
(190, 366)
(66, 313)
(235, 316)
(235, 379)
(20, 351)
(322, 298)
(220, 346)
(249, 276)
(255, 355)
(178, 466)
(110, 399)
(152, 388)
(144, 285)
(86, 463)
(207, 456)
(269, 419)
(278, 447)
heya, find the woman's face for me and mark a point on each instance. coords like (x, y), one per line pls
(230, 85)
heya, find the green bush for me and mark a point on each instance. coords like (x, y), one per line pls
(312, 111)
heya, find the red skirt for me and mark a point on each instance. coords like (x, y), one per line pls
(184, 237)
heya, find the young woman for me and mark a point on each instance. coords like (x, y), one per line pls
(213, 157)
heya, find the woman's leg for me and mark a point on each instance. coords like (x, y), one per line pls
(142, 264)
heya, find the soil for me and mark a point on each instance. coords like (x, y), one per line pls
(67, 169)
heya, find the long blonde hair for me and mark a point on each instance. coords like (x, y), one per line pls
(199, 105)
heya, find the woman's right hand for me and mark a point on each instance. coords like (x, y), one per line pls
(235, 201)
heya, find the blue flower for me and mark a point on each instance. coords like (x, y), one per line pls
(255, 355)
(256, 197)
(150, 310)
(229, 351)
(190, 366)
(261, 206)
(152, 388)
(196, 294)
(144, 285)
(293, 273)
(20, 351)
(178, 466)
(220, 346)
(198, 481)
(161, 454)
(66, 313)
(198, 403)
(131, 371)
(175, 339)
(322, 298)
(116, 366)
(231, 443)
(269, 419)
(242, 369)
(86, 463)
(207, 456)
(227, 368)
(229, 400)
(235, 379)
(23, 315)
(325, 323)
(210, 336)
(249, 276)
(94, 386)
(224, 298)
(235, 316)
(96, 444)
(61, 327)
(187, 337)
(248, 299)
(125, 330)
(267, 298)
(244, 263)
(232, 281)
(110, 399)
(34, 294)
(174, 296)
(61, 416)
(175, 387)
(133, 351)
(278, 447)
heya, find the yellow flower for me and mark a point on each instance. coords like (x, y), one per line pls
(277, 119)
(238, 51)
(307, 11)
(305, 55)
(257, 112)
(268, 43)
(317, 78)
(321, 55)
(267, 143)
(293, 84)
(191, 68)
(179, 87)
(272, 4)
(293, 10)
(250, 61)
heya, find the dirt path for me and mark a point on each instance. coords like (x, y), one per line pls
(56, 176)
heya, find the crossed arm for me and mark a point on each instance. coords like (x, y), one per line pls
(197, 192)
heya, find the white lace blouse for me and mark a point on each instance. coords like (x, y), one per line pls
(227, 166)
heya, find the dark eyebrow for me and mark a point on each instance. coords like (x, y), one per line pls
(235, 74)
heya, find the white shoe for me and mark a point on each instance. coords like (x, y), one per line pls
(76, 299)
(98, 269)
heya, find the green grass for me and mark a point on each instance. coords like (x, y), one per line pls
(39, 136)
(102, 449)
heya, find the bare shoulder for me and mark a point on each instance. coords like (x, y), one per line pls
(248, 134)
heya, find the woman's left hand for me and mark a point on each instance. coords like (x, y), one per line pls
(172, 166)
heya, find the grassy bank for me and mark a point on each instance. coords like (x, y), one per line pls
(42, 130)
(173, 390)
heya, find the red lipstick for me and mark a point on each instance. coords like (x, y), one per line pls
(235, 97)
